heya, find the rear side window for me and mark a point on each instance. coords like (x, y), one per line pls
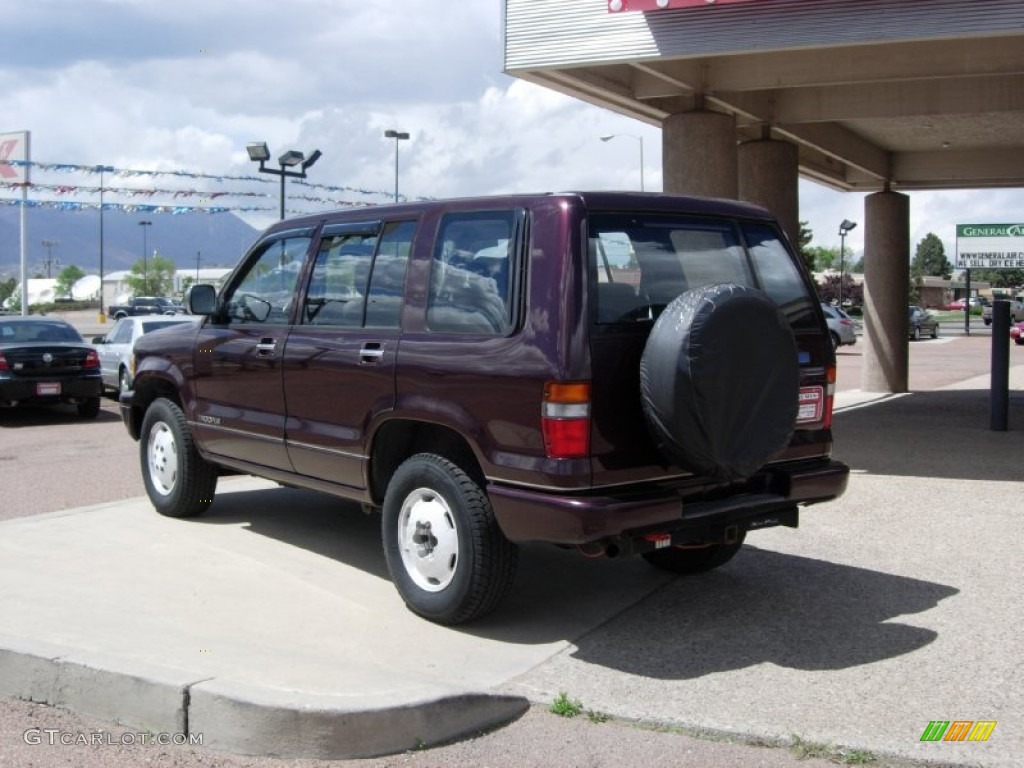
(639, 263)
(470, 289)
(358, 279)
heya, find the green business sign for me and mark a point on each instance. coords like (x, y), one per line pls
(990, 246)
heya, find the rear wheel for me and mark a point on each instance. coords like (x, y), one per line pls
(694, 560)
(179, 482)
(935, 331)
(123, 381)
(447, 556)
(835, 340)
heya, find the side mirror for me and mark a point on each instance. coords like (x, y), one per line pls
(99, 339)
(201, 299)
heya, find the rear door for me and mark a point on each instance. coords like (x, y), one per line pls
(240, 411)
(339, 362)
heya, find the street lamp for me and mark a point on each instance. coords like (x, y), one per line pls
(48, 244)
(258, 152)
(397, 136)
(844, 227)
(640, 139)
(145, 269)
(101, 169)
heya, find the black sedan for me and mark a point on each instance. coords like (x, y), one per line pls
(45, 361)
(921, 322)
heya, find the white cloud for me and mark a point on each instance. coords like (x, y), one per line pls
(185, 85)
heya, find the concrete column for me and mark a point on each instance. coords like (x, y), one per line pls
(768, 176)
(886, 284)
(699, 154)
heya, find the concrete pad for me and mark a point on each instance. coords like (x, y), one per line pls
(282, 596)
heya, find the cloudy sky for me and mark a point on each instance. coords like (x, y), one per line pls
(154, 85)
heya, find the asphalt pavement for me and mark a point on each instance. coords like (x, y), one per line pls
(270, 627)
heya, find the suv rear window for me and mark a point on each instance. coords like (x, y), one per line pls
(641, 262)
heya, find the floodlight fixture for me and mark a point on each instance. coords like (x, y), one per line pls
(397, 136)
(313, 157)
(258, 151)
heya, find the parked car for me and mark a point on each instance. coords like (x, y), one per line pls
(115, 348)
(1017, 333)
(1016, 311)
(45, 361)
(957, 304)
(923, 322)
(146, 305)
(840, 326)
(619, 373)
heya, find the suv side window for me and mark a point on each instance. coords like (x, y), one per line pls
(358, 279)
(264, 293)
(469, 278)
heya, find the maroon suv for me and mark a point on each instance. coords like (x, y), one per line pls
(624, 373)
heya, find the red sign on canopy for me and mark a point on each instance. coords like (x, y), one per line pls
(616, 6)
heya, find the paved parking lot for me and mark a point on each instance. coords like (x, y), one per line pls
(886, 610)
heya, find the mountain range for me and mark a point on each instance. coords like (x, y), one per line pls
(74, 236)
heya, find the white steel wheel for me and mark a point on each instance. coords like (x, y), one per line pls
(162, 458)
(428, 540)
(179, 482)
(446, 554)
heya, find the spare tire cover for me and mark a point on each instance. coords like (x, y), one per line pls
(720, 381)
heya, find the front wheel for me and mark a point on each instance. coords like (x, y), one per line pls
(917, 333)
(179, 482)
(446, 554)
(696, 559)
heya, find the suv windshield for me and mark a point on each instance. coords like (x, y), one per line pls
(641, 262)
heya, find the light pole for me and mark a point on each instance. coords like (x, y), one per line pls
(48, 244)
(102, 169)
(145, 270)
(844, 227)
(640, 139)
(397, 136)
(258, 152)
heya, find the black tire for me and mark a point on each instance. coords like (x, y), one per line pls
(179, 482)
(836, 343)
(90, 409)
(986, 321)
(917, 333)
(460, 575)
(935, 331)
(720, 381)
(699, 560)
(123, 384)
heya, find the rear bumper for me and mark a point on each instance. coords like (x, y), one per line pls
(71, 390)
(533, 515)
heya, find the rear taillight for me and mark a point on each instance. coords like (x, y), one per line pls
(3, 363)
(830, 396)
(565, 419)
(92, 360)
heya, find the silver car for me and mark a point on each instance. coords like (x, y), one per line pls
(115, 348)
(840, 326)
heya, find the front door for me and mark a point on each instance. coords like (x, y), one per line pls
(240, 409)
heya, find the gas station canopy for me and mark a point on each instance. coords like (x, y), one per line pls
(926, 94)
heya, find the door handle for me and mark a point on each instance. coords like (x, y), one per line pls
(266, 347)
(371, 353)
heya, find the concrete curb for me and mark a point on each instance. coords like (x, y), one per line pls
(240, 718)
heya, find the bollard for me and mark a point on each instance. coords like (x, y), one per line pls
(999, 392)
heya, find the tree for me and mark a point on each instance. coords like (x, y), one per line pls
(828, 289)
(999, 278)
(66, 280)
(7, 288)
(930, 258)
(824, 258)
(803, 241)
(154, 277)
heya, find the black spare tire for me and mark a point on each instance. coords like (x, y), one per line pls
(720, 381)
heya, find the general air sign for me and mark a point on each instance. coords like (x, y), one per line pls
(990, 246)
